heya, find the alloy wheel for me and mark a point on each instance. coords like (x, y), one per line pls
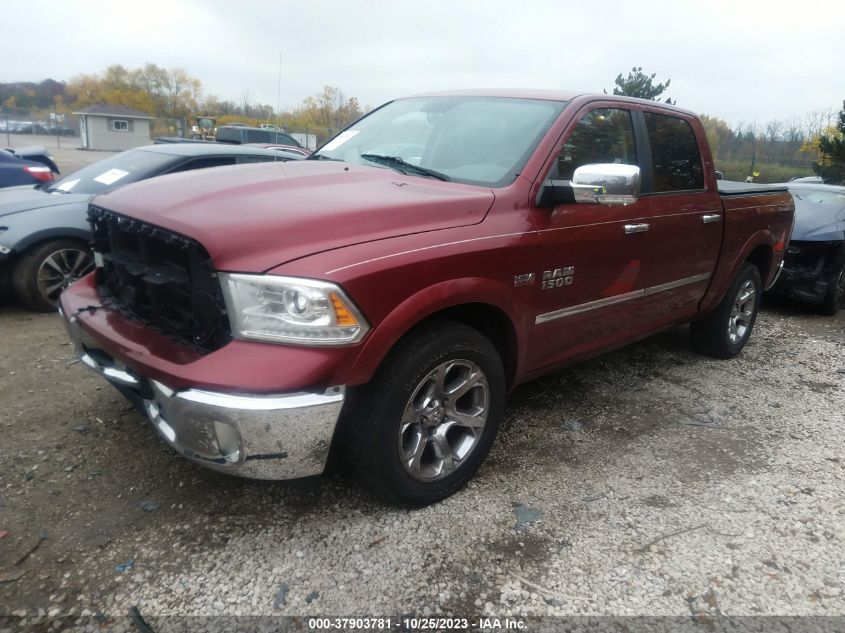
(742, 312)
(444, 420)
(60, 269)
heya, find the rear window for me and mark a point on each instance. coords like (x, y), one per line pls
(258, 136)
(674, 153)
(231, 134)
(114, 171)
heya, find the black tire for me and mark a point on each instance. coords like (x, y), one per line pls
(725, 331)
(835, 294)
(371, 429)
(31, 278)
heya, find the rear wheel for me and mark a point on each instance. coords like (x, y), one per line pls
(725, 331)
(420, 430)
(45, 270)
(835, 294)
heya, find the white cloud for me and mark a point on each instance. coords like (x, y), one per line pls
(741, 61)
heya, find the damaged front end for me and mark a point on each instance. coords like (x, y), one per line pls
(809, 269)
(814, 263)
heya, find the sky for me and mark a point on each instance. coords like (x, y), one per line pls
(743, 61)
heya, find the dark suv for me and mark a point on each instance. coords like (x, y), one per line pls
(244, 134)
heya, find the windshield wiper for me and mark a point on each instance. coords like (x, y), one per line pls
(322, 157)
(403, 166)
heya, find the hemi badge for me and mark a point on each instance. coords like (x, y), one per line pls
(526, 279)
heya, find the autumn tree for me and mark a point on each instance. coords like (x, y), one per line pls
(638, 84)
(113, 86)
(718, 132)
(177, 93)
(171, 94)
(831, 151)
(330, 109)
(29, 94)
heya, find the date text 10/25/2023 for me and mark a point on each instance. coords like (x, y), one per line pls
(414, 624)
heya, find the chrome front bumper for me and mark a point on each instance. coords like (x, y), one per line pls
(278, 436)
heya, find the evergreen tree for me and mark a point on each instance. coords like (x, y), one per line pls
(638, 84)
(831, 162)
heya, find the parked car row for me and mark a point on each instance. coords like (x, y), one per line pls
(813, 271)
(30, 127)
(44, 230)
(266, 137)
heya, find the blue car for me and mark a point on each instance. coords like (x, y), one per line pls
(814, 265)
(26, 166)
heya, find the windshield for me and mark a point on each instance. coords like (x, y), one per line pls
(114, 171)
(475, 140)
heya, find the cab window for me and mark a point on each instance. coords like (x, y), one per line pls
(604, 135)
(674, 153)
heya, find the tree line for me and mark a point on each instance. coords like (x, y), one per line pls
(174, 95)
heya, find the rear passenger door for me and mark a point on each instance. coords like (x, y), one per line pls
(685, 217)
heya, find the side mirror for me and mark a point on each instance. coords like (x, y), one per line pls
(606, 183)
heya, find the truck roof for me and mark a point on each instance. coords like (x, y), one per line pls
(548, 95)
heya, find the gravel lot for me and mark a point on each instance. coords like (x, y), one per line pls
(650, 481)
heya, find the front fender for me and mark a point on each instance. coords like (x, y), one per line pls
(23, 230)
(430, 301)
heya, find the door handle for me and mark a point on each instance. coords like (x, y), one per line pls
(709, 218)
(636, 228)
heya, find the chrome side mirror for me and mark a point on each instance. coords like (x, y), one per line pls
(606, 183)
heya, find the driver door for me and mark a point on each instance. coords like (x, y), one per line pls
(589, 289)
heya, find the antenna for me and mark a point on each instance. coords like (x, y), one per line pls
(279, 94)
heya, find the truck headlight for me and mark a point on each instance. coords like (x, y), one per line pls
(291, 310)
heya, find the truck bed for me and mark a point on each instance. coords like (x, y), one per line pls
(747, 209)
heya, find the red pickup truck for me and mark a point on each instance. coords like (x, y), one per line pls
(377, 301)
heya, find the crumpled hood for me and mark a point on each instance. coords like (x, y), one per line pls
(253, 218)
(819, 214)
(18, 199)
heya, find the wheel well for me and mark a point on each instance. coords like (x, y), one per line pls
(838, 255)
(50, 238)
(761, 257)
(492, 323)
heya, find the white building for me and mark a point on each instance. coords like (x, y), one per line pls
(113, 127)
